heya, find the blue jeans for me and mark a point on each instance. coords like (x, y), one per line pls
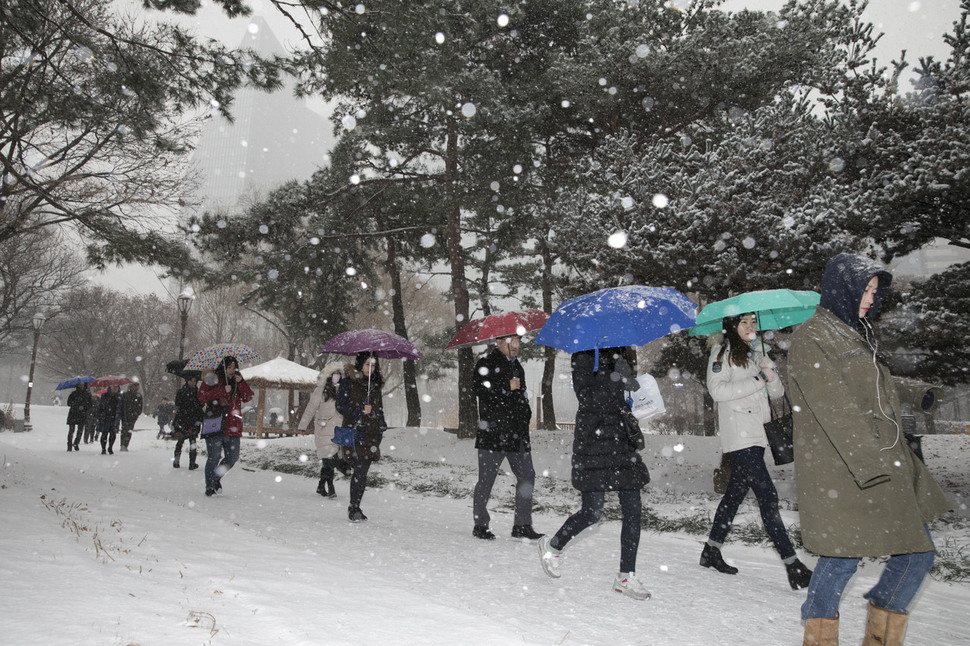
(897, 586)
(216, 466)
(748, 471)
(591, 511)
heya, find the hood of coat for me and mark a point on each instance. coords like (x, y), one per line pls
(332, 367)
(845, 280)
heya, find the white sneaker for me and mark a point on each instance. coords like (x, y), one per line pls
(550, 558)
(630, 585)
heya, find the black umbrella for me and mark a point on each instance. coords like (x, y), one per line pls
(177, 368)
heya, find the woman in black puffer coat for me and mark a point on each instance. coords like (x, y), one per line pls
(605, 458)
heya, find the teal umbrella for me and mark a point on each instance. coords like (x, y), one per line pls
(775, 308)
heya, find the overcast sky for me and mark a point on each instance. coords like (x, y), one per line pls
(914, 25)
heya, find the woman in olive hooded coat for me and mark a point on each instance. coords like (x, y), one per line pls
(861, 490)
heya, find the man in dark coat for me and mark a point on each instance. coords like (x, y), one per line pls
(503, 434)
(78, 403)
(134, 404)
(189, 412)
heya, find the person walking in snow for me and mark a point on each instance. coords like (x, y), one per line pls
(741, 379)
(504, 415)
(163, 415)
(187, 420)
(111, 410)
(604, 459)
(322, 411)
(360, 402)
(134, 405)
(91, 422)
(225, 390)
(78, 406)
(861, 490)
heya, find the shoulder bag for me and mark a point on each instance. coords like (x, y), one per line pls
(631, 428)
(213, 420)
(779, 433)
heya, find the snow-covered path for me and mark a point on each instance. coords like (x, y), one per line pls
(124, 549)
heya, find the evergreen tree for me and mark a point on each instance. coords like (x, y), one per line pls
(98, 114)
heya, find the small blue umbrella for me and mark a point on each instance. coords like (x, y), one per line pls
(615, 317)
(73, 382)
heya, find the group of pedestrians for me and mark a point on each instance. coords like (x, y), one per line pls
(92, 416)
(861, 491)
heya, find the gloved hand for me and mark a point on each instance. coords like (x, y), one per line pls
(767, 369)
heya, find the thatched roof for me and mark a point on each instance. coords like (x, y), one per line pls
(281, 374)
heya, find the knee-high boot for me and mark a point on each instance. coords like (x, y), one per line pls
(821, 631)
(884, 627)
(192, 463)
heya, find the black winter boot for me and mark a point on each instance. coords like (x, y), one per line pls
(799, 576)
(192, 464)
(175, 461)
(322, 488)
(711, 557)
(525, 531)
(331, 492)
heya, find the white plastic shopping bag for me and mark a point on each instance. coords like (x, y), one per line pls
(647, 401)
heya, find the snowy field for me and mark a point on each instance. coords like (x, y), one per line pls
(124, 549)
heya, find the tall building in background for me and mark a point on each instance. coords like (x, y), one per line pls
(274, 138)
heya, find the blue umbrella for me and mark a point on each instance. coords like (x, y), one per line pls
(618, 316)
(73, 382)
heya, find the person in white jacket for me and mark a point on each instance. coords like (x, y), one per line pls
(741, 379)
(321, 409)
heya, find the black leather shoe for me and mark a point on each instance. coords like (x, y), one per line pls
(525, 531)
(711, 557)
(481, 531)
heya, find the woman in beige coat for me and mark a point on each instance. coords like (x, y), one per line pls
(322, 410)
(741, 379)
(861, 490)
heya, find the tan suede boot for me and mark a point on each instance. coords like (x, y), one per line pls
(821, 631)
(884, 627)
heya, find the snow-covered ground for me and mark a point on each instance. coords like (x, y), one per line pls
(124, 549)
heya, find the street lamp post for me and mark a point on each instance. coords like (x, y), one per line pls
(38, 323)
(184, 303)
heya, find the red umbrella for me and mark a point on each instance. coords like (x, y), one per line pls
(496, 326)
(110, 380)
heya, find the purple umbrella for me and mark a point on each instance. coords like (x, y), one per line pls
(379, 343)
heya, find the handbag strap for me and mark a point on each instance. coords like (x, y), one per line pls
(787, 403)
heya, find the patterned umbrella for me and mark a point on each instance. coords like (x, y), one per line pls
(72, 382)
(110, 380)
(209, 358)
(379, 343)
(496, 326)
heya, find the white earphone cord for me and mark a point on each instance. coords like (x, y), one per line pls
(873, 344)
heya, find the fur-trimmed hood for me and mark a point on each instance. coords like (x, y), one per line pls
(330, 368)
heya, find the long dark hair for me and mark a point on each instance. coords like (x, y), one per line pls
(738, 348)
(329, 389)
(221, 368)
(376, 378)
